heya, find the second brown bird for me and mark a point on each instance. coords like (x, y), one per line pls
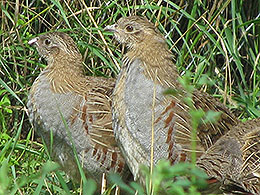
(68, 108)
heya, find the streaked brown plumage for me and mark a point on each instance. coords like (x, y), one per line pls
(61, 91)
(234, 160)
(139, 107)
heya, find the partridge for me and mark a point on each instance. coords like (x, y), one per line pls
(66, 107)
(234, 160)
(144, 120)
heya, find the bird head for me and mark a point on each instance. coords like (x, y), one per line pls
(55, 44)
(132, 30)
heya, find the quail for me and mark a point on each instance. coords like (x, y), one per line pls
(228, 150)
(68, 108)
(146, 122)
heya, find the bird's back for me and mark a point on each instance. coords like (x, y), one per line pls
(234, 159)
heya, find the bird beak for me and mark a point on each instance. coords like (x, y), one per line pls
(33, 41)
(110, 28)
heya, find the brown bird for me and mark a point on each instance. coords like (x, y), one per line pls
(145, 121)
(234, 160)
(74, 108)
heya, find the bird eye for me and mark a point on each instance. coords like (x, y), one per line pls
(129, 28)
(47, 42)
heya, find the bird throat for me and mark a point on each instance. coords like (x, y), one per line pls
(65, 75)
(156, 61)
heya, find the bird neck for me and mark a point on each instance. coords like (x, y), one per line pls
(65, 73)
(156, 60)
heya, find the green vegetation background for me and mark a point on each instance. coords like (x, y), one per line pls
(217, 41)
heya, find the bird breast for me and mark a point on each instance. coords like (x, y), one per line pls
(57, 111)
(137, 103)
